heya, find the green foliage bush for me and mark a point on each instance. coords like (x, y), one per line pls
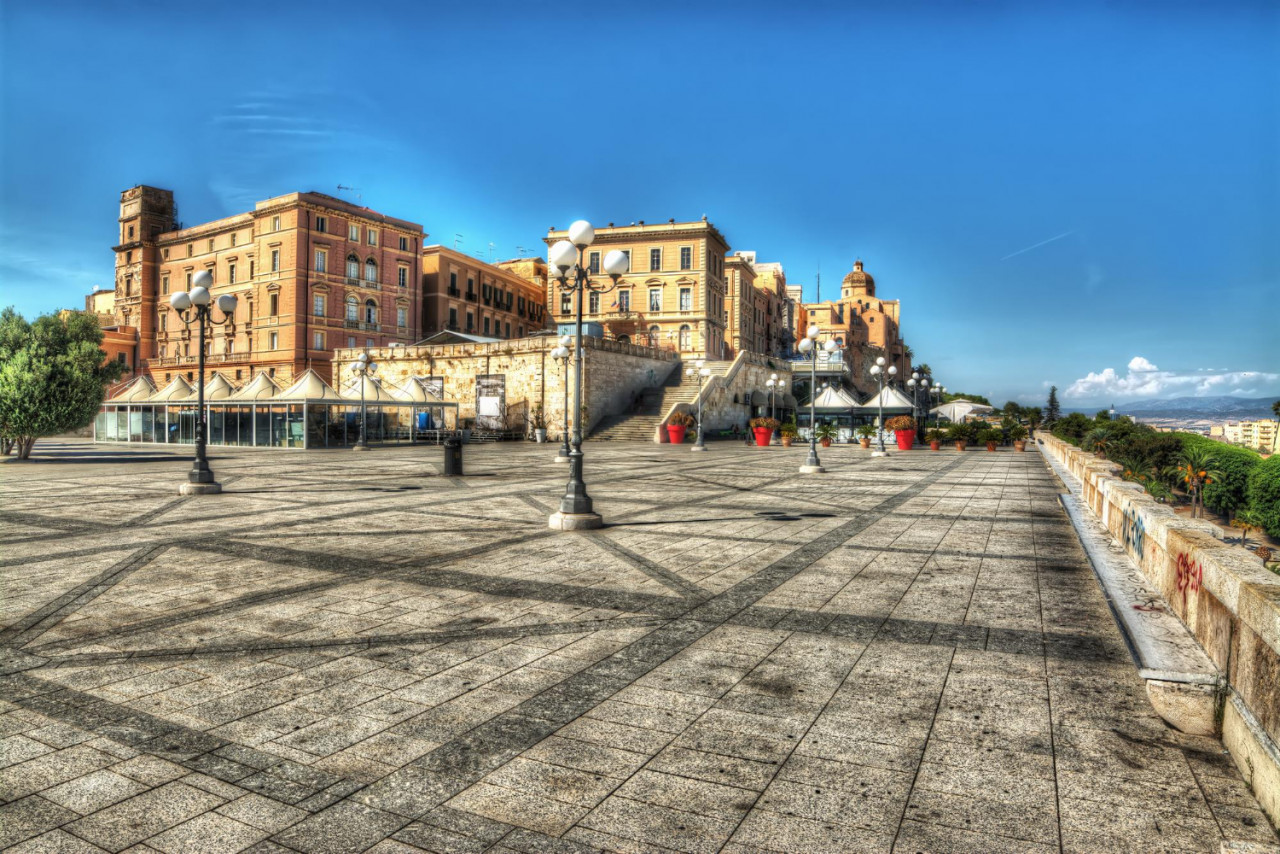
(1226, 495)
(1074, 427)
(1263, 494)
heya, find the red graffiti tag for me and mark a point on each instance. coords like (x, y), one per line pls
(1190, 574)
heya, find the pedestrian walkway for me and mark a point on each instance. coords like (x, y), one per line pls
(347, 652)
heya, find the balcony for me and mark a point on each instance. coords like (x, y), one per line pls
(471, 296)
(828, 363)
(453, 292)
(622, 314)
(363, 326)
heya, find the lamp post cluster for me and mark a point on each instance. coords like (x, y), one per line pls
(568, 259)
(809, 347)
(701, 371)
(363, 368)
(196, 306)
(561, 354)
(917, 384)
(775, 385)
(879, 371)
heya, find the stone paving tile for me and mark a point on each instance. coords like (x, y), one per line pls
(923, 663)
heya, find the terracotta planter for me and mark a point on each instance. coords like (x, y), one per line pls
(960, 445)
(865, 441)
(991, 446)
(763, 436)
(675, 433)
(905, 438)
(826, 443)
(1020, 446)
(787, 440)
(933, 446)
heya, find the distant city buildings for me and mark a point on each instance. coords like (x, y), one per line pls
(1262, 435)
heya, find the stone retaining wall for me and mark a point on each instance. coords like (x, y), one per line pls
(1221, 592)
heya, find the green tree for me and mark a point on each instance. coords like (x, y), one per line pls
(925, 370)
(1052, 412)
(976, 398)
(1275, 407)
(1196, 469)
(1226, 494)
(53, 376)
(1264, 494)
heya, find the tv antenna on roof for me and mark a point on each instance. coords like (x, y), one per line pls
(457, 238)
(521, 250)
(356, 190)
(490, 251)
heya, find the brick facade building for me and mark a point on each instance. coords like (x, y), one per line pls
(463, 294)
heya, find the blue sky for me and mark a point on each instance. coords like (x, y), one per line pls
(1079, 194)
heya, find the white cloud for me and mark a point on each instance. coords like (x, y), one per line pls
(1145, 379)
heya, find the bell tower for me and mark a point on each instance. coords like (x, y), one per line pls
(145, 214)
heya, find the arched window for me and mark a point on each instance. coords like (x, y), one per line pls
(686, 337)
(624, 339)
(371, 270)
(654, 333)
(353, 267)
(370, 311)
(353, 307)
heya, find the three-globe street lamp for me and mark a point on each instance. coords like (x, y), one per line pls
(774, 384)
(918, 383)
(701, 371)
(363, 368)
(568, 259)
(808, 346)
(197, 305)
(879, 371)
(562, 354)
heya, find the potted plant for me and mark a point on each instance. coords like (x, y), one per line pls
(904, 431)
(1018, 434)
(825, 433)
(763, 429)
(959, 434)
(789, 433)
(991, 438)
(677, 425)
(935, 438)
(539, 425)
(865, 432)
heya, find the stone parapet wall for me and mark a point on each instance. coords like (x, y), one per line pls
(614, 375)
(726, 400)
(1223, 594)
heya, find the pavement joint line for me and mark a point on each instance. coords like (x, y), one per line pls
(661, 574)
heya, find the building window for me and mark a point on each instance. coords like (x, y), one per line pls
(453, 318)
(655, 332)
(686, 337)
(566, 305)
(404, 244)
(686, 299)
(402, 276)
(275, 305)
(322, 261)
(162, 351)
(471, 322)
(353, 233)
(275, 260)
(453, 284)
(164, 322)
(655, 299)
(317, 305)
(191, 250)
(372, 236)
(520, 331)
(402, 317)
(655, 259)
(370, 311)
(274, 340)
(351, 341)
(593, 303)
(317, 340)
(624, 300)
(211, 244)
(130, 235)
(593, 264)
(233, 238)
(128, 257)
(164, 253)
(507, 329)
(353, 267)
(251, 269)
(188, 280)
(164, 284)
(231, 274)
(370, 270)
(353, 308)
(627, 253)
(275, 226)
(486, 326)
(368, 342)
(686, 258)
(322, 224)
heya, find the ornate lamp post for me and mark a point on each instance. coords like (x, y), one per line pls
(917, 384)
(561, 353)
(808, 346)
(699, 370)
(568, 258)
(879, 371)
(774, 384)
(195, 305)
(363, 368)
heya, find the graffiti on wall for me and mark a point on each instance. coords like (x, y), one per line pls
(1133, 532)
(1190, 576)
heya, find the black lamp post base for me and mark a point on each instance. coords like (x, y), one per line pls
(560, 521)
(210, 488)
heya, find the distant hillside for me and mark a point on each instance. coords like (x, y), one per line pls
(1217, 408)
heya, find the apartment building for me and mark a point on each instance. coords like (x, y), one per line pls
(464, 294)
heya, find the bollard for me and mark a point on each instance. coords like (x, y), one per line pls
(453, 456)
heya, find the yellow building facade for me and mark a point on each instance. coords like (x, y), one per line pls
(865, 326)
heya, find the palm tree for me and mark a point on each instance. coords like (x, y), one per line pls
(908, 352)
(1246, 521)
(925, 370)
(1195, 470)
(1096, 440)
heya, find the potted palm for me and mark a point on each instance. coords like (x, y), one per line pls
(991, 438)
(825, 433)
(1018, 434)
(789, 433)
(865, 432)
(763, 429)
(904, 431)
(959, 434)
(539, 426)
(935, 438)
(677, 425)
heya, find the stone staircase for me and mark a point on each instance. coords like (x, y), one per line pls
(655, 403)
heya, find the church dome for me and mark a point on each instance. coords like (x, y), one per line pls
(857, 278)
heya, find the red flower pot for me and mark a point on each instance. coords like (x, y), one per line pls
(675, 433)
(763, 436)
(906, 439)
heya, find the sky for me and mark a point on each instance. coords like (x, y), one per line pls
(1084, 195)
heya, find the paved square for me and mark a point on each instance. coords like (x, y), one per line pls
(349, 652)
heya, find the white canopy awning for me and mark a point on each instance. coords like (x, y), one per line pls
(310, 386)
(261, 387)
(373, 391)
(958, 409)
(135, 392)
(835, 398)
(415, 390)
(177, 389)
(890, 399)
